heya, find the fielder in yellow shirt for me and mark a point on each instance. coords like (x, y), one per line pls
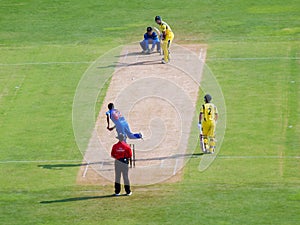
(207, 122)
(167, 38)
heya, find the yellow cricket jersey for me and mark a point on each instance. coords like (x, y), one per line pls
(209, 111)
(164, 27)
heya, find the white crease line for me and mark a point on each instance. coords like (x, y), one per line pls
(40, 161)
(137, 57)
(201, 54)
(175, 167)
(101, 165)
(125, 58)
(162, 161)
(43, 63)
(85, 170)
(242, 39)
(259, 157)
(249, 59)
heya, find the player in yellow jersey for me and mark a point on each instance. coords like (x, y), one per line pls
(207, 125)
(167, 38)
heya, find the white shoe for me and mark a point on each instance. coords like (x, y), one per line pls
(129, 194)
(117, 194)
(148, 51)
(164, 62)
(141, 135)
(206, 147)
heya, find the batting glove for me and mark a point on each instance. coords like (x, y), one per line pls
(199, 126)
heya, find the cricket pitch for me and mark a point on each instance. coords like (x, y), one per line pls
(158, 100)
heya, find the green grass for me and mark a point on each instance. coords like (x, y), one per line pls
(265, 100)
(253, 51)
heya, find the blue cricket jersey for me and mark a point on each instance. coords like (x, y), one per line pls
(116, 116)
(153, 36)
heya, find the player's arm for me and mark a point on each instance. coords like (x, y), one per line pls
(107, 119)
(163, 32)
(201, 114)
(145, 36)
(156, 30)
(199, 123)
(216, 114)
(163, 35)
(108, 127)
(200, 117)
(200, 120)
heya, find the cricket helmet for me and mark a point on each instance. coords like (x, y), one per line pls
(149, 29)
(207, 98)
(157, 18)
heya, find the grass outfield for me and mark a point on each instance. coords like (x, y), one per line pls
(253, 50)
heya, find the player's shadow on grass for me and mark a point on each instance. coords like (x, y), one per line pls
(60, 166)
(176, 156)
(130, 54)
(195, 155)
(79, 199)
(146, 62)
(137, 53)
(120, 64)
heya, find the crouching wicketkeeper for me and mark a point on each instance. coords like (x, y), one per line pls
(150, 37)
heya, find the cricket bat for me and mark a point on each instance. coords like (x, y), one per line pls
(201, 138)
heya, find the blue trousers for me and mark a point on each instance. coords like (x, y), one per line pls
(124, 129)
(145, 44)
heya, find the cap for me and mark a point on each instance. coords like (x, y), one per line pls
(157, 18)
(207, 98)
